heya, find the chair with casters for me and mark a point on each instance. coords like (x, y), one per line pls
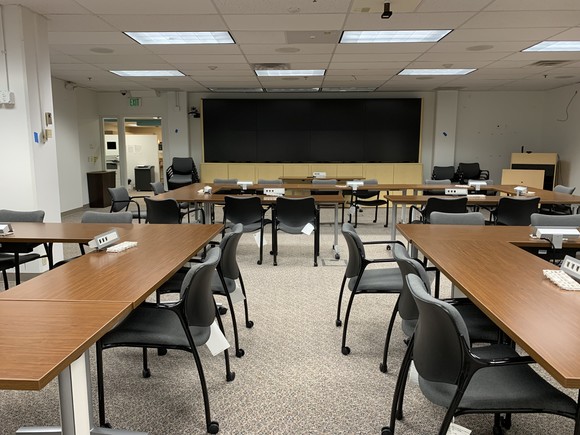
(181, 172)
(248, 211)
(182, 325)
(491, 379)
(121, 200)
(436, 192)
(185, 207)
(360, 280)
(291, 215)
(481, 329)
(447, 205)
(514, 210)
(368, 198)
(443, 173)
(469, 218)
(471, 171)
(12, 255)
(559, 209)
(167, 211)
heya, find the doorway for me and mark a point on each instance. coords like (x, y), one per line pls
(134, 150)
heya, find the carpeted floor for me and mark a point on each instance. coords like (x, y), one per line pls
(293, 378)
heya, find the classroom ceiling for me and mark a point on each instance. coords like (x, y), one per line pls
(86, 41)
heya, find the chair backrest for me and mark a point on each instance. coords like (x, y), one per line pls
(440, 336)
(331, 182)
(516, 211)
(198, 302)
(182, 165)
(550, 220)
(229, 246)
(158, 187)
(356, 250)
(21, 216)
(265, 181)
(243, 210)
(162, 211)
(225, 181)
(443, 173)
(447, 205)
(367, 194)
(296, 212)
(408, 266)
(120, 198)
(325, 181)
(469, 171)
(436, 192)
(564, 189)
(95, 217)
(472, 218)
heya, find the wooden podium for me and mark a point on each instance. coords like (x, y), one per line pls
(98, 182)
(548, 162)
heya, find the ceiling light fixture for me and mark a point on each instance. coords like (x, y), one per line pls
(149, 73)
(289, 72)
(391, 36)
(153, 38)
(555, 46)
(436, 71)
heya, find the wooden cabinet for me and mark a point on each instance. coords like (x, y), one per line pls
(98, 182)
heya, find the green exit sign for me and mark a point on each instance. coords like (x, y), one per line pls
(134, 102)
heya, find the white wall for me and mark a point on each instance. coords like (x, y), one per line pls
(492, 125)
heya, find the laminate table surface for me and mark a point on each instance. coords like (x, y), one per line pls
(507, 283)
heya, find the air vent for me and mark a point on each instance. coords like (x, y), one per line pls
(549, 63)
(270, 66)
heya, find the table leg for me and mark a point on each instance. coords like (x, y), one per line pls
(394, 222)
(335, 244)
(75, 404)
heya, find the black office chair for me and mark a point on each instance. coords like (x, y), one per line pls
(385, 280)
(444, 173)
(291, 215)
(121, 200)
(185, 207)
(181, 172)
(183, 325)
(447, 205)
(471, 171)
(368, 198)
(12, 255)
(249, 212)
(559, 209)
(451, 375)
(481, 329)
(514, 210)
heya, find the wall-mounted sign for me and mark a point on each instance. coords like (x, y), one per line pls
(134, 102)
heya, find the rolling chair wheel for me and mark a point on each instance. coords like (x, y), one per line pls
(386, 431)
(259, 262)
(345, 350)
(213, 427)
(240, 353)
(146, 373)
(338, 322)
(222, 310)
(337, 256)
(231, 376)
(383, 368)
(161, 351)
(107, 425)
(249, 324)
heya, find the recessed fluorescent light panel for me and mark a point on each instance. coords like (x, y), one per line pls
(148, 38)
(293, 90)
(348, 89)
(436, 72)
(234, 90)
(289, 72)
(391, 36)
(555, 46)
(146, 73)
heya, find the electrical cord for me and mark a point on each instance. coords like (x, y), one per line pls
(567, 107)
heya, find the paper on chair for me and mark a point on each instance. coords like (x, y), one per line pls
(237, 295)
(308, 228)
(217, 342)
(257, 239)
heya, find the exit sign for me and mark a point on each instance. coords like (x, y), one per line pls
(134, 102)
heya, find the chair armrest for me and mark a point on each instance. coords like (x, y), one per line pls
(516, 360)
(484, 174)
(418, 210)
(195, 210)
(139, 196)
(380, 242)
(380, 260)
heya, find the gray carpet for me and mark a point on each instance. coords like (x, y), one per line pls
(293, 378)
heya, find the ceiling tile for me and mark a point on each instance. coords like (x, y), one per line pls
(316, 22)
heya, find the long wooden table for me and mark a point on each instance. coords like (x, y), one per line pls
(508, 285)
(47, 324)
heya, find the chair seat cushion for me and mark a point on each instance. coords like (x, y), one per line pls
(372, 203)
(7, 260)
(291, 230)
(385, 280)
(181, 179)
(148, 325)
(516, 387)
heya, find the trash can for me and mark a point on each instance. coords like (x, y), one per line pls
(144, 176)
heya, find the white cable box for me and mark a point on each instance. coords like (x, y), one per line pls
(274, 191)
(319, 174)
(455, 191)
(354, 184)
(557, 234)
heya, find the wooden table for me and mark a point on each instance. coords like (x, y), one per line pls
(507, 284)
(48, 323)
